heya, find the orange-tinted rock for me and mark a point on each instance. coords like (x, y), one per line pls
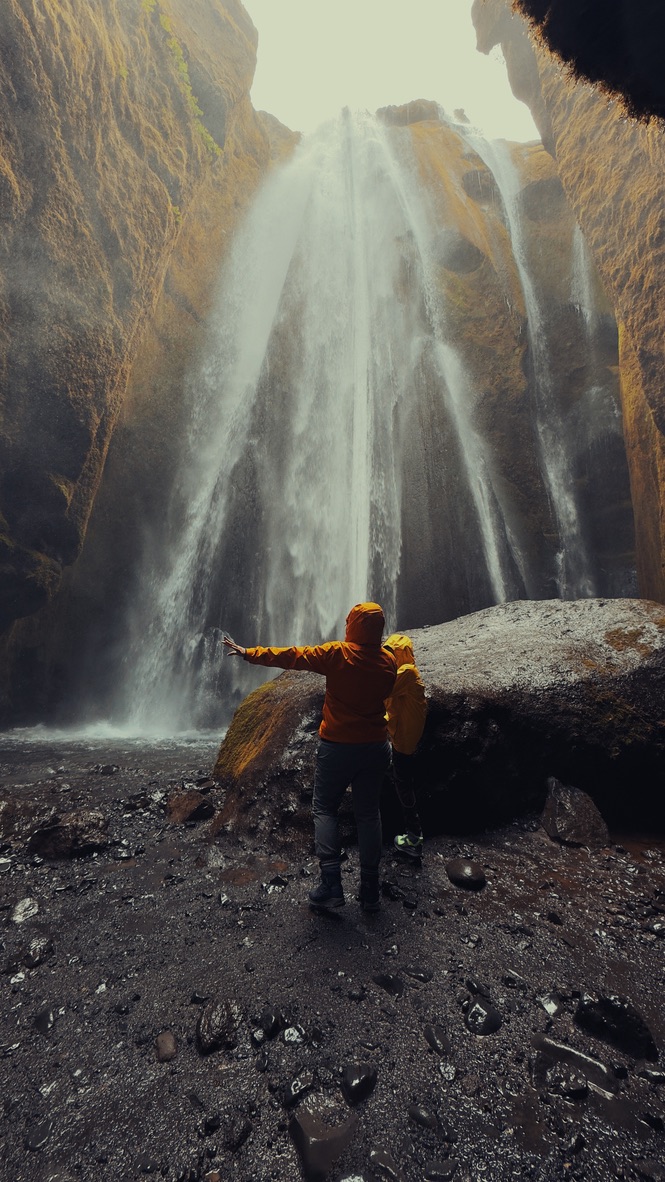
(134, 153)
(612, 169)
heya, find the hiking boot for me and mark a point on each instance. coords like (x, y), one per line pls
(369, 897)
(410, 844)
(329, 893)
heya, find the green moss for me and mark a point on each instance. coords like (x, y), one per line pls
(184, 82)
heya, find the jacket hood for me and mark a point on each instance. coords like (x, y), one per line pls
(401, 647)
(364, 624)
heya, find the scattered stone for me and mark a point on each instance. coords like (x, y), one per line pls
(390, 890)
(39, 947)
(418, 974)
(358, 1082)
(465, 873)
(357, 993)
(616, 1021)
(470, 1085)
(440, 1171)
(236, 1132)
(423, 1117)
(388, 981)
(649, 1168)
(297, 1089)
(217, 1027)
(212, 1123)
(318, 1144)
(182, 807)
(482, 1017)
(551, 1003)
(293, 1036)
(44, 1020)
(563, 1081)
(385, 1164)
(551, 1052)
(38, 1135)
(106, 769)
(570, 816)
(271, 1022)
(448, 1072)
(437, 1039)
(72, 835)
(25, 909)
(165, 1047)
(148, 1165)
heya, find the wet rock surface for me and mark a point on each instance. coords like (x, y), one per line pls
(342, 1047)
(517, 693)
(571, 816)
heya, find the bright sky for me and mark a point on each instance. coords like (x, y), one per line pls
(317, 56)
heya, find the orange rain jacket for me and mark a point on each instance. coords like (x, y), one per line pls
(359, 674)
(406, 708)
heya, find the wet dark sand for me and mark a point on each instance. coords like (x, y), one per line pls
(130, 941)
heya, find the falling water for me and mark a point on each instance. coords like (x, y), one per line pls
(575, 577)
(287, 505)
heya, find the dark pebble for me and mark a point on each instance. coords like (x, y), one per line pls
(465, 873)
(437, 1039)
(440, 1171)
(482, 1018)
(392, 984)
(358, 1082)
(423, 1117)
(38, 1135)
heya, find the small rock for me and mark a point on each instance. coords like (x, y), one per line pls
(465, 873)
(419, 974)
(616, 1021)
(38, 949)
(385, 1164)
(437, 1039)
(38, 1135)
(189, 806)
(423, 1117)
(217, 1026)
(298, 1088)
(358, 1082)
(44, 1020)
(440, 1171)
(570, 816)
(165, 1047)
(72, 835)
(470, 1085)
(482, 1018)
(271, 1022)
(318, 1144)
(236, 1132)
(388, 981)
(24, 909)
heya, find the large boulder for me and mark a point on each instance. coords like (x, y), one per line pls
(516, 693)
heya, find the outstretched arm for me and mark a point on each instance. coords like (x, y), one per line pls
(233, 649)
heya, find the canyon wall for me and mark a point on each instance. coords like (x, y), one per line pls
(612, 168)
(128, 149)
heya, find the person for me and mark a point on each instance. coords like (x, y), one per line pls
(406, 711)
(353, 743)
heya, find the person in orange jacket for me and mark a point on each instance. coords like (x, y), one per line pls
(353, 743)
(406, 711)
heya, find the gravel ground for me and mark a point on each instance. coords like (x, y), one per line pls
(343, 1046)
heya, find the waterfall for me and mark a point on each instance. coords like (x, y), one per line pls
(575, 575)
(287, 505)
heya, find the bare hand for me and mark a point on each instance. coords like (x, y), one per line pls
(233, 649)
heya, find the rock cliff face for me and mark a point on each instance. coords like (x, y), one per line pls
(612, 169)
(128, 146)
